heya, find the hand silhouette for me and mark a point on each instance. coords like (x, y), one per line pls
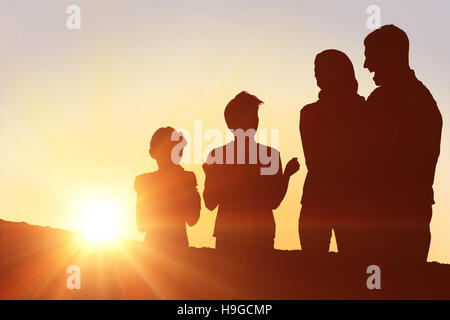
(292, 167)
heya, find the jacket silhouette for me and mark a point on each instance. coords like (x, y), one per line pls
(405, 139)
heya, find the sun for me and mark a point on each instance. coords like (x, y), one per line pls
(100, 222)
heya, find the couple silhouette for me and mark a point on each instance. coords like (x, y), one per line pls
(371, 166)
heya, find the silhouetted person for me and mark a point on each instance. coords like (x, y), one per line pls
(406, 133)
(333, 143)
(167, 199)
(245, 180)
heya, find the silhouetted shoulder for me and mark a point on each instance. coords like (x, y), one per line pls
(306, 113)
(190, 178)
(375, 94)
(270, 150)
(143, 181)
(219, 150)
(429, 108)
(218, 155)
(425, 93)
(309, 108)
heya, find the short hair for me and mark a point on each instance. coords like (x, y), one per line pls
(241, 109)
(165, 139)
(391, 39)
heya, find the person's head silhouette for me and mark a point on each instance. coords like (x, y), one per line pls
(242, 112)
(387, 53)
(166, 146)
(334, 72)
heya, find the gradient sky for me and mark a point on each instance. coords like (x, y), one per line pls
(78, 107)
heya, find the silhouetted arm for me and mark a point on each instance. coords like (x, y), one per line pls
(210, 192)
(306, 136)
(436, 137)
(431, 130)
(193, 201)
(141, 222)
(291, 168)
(141, 206)
(426, 147)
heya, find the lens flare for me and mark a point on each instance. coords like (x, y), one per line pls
(100, 222)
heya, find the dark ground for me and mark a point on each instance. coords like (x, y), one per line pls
(33, 263)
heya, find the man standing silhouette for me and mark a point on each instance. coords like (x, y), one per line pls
(405, 142)
(246, 181)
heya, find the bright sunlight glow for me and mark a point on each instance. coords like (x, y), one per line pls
(100, 222)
